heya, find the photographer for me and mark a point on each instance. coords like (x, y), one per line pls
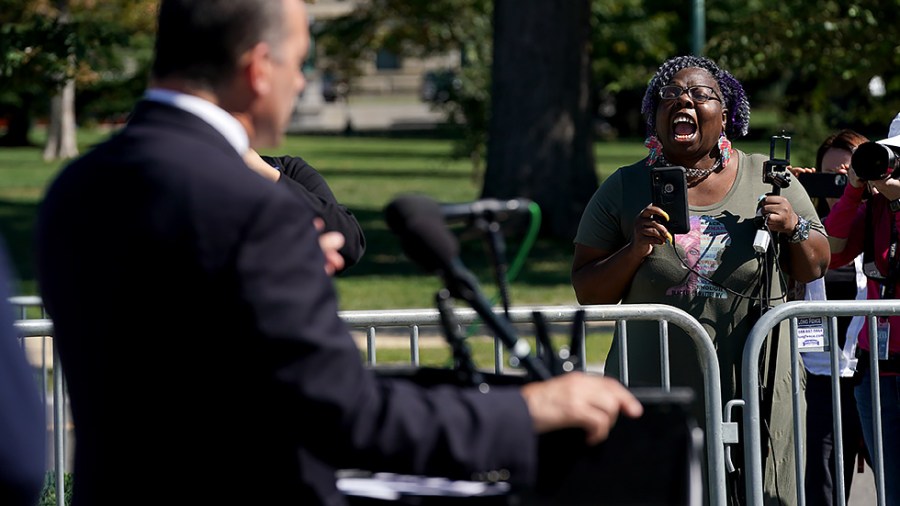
(870, 227)
(846, 282)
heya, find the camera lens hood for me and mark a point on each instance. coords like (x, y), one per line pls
(873, 161)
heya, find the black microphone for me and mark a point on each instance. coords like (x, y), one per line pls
(489, 209)
(419, 223)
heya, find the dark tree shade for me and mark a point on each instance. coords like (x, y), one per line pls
(540, 137)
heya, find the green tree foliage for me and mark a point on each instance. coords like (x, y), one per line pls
(630, 38)
(43, 44)
(422, 29)
(409, 28)
(814, 59)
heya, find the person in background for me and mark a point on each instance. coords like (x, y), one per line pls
(219, 319)
(871, 227)
(846, 282)
(305, 182)
(22, 425)
(624, 253)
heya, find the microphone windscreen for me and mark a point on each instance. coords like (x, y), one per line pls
(418, 222)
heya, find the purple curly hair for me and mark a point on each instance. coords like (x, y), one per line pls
(734, 98)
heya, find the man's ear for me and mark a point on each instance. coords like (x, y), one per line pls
(257, 64)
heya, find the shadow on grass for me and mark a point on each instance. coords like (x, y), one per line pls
(547, 263)
(366, 154)
(384, 256)
(17, 220)
(395, 173)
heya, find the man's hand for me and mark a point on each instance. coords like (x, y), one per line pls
(579, 400)
(330, 242)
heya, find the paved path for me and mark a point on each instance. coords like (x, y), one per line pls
(364, 114)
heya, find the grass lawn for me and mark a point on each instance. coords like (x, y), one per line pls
(365, 173)
(436, 353)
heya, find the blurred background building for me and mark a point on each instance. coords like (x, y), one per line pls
(390, 92)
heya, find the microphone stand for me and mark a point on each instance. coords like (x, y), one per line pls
(497, 248)
(462, 355)
(544, 345)
(462, 284)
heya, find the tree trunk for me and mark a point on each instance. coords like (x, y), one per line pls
(61, 141)
(540, 138)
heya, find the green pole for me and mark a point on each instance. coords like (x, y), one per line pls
(698, 35)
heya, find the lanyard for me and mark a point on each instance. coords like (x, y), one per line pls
(888, 286)
(889, 283)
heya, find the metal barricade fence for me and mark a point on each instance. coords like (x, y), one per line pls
(42, 328)
(750, 383)
(718, 433)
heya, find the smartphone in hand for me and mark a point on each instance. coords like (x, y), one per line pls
(668, 188)
(823, 184)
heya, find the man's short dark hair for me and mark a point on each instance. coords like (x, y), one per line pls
(201, 40)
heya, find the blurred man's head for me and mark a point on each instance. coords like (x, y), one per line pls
(244, 55)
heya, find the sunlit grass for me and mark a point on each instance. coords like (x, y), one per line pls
(435, 352)
(365, 173)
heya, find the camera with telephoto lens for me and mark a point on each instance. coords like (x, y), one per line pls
(873, 161)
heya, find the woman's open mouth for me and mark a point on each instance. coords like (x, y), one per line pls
(684, 127)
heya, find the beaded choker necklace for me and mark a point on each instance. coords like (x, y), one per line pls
(694, 173)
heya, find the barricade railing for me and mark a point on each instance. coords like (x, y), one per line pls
(717, 432)
(869, 309)
(42, 328)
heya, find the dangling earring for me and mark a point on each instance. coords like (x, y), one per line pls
(724, 149)
(655, 147)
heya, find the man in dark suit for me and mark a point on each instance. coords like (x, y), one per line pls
(196, 323)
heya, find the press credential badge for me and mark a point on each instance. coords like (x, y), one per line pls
(884, 332)
(811, 333)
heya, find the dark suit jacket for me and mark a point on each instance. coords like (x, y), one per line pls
(200, 339)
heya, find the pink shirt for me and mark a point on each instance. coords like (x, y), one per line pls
(847, 220)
